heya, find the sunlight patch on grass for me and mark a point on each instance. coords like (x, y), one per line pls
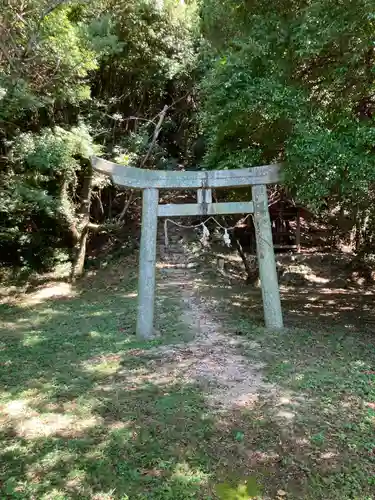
(53, 424)
(119, 425)
(57, 290)
(107, 496)
(94, 334)
(32, 340)
(75, 481)
(28, 423)
(51, 460)
(16, 408)
(55, 494)
(103, 368)
(97, 314)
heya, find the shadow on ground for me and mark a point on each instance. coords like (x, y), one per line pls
(77, 419)
(81, 419)
(318, 288)
(318, 437)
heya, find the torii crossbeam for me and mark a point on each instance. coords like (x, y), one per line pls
(151, 181)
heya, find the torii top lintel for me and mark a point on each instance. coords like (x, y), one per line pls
(138, 178)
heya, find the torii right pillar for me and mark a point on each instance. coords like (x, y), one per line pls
(266, 259)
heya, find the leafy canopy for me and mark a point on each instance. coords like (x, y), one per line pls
(292, 80)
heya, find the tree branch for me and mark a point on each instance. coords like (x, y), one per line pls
(126, 207)
(148, 154)
(156, 135)
(103, 228)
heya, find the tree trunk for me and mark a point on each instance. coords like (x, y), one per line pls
(79, 254)
(83, 218)
(252, 274)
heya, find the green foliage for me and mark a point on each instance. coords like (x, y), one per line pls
(160, 36)
(102, 36)
(292, 81)
(338, 160)
(35, 206)
(46, 57)
(53, 151)
(111, 64)
(154, 67)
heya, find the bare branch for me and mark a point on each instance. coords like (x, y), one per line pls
(171, 105)
(138, 119)
(156, 135)
(97, 196)
(154, 139)
(126, 207)
(103, 228)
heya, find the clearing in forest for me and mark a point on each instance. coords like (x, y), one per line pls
(215, 407)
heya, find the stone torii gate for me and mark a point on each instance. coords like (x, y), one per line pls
(151, 181)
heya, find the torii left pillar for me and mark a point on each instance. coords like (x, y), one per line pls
(147, 262)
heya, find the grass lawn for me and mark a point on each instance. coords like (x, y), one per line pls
(318, 438)
(76, 419)
(80, 419)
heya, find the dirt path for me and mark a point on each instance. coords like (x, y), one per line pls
(212, 358)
